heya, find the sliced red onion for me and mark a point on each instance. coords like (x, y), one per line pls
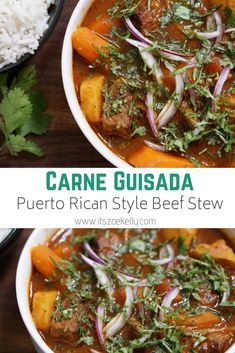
(226, 296)
(101, 275)
(100, 322)
(119, 321)
(123, 277)
(155, 146)
(153, 65)
(172, 57)
(229, 30)
(171, 264)
(168, 299)
(138, 35)
(99, 261)
(166, 260)
(210, 22)
(208, 35)
(143, 339)
(219, 85)
(181, 257)
(149, 59)
(151, 113)
(175, 101)
(92, 254)
(214, 34)
(142, 46)
(220, 26)
(135, 32)
(170, 250)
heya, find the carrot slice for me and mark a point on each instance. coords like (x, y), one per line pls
(64, 250)
(44, 260)
(88, 44)
(104, 24)
(146, 157)
(200, 321)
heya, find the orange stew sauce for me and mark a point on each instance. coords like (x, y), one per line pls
(169, 290)
(200, 131)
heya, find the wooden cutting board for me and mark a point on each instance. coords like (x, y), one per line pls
(65, 145)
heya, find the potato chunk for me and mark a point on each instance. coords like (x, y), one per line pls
(43, 304)
(187, 233)
(219, 251)
(92, 98)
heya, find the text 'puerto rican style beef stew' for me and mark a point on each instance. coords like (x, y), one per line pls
(155, 79)
(135, 291)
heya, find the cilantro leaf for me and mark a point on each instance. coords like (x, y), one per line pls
(22, 112)
(40, 121)
(26, 79)
(18, 143)
(16, 109)
(182, 12)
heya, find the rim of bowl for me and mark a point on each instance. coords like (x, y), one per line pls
(76, 19)
(10, 236)
(39, 236)
(54, 17)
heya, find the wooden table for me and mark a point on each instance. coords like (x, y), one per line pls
(64, 145)
(13, 335)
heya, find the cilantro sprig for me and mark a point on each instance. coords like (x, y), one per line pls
(22, 112)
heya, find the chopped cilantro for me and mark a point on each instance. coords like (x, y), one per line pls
(22, 112)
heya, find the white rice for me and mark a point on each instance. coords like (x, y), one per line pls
(22, 24)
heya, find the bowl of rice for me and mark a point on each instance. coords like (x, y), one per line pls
(25, 25)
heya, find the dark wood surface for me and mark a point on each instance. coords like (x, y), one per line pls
(13, 335)
(64, 145)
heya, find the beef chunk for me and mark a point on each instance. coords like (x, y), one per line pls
(67, 320)
(118, 124)
(108, 243)
(66, 330)
(149, 19)
(216, 342)
(207, 298)
(115, 118)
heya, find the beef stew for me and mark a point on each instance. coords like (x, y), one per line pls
(167, 290)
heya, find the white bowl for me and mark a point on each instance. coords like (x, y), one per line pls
(69, 87)
(23, 275)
